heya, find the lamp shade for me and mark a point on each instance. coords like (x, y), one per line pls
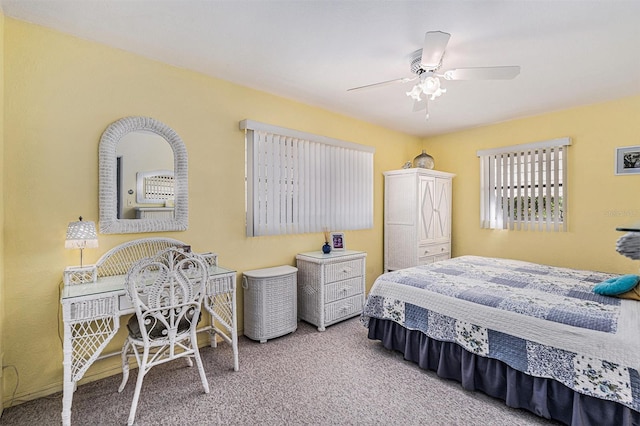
(81, 234)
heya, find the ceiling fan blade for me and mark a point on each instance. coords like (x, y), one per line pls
(483, 73)
(435, 42)
(383, 83)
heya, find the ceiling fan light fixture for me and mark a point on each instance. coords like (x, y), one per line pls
(415, 93)
(429, 86)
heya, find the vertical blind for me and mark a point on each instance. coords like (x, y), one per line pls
(524, 187)
(298, 182)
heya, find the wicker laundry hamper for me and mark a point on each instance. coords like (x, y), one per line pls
(270, 302)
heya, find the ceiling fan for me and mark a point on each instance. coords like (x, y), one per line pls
(426, 64)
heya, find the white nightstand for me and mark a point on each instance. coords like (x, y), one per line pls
(330, 286)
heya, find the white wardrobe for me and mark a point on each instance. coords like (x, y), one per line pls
(417, 217)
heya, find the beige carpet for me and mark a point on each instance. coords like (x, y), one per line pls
(336, 377)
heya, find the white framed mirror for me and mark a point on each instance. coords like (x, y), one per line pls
(127, 145)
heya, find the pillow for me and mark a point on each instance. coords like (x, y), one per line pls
(617, 285)
(633, 294)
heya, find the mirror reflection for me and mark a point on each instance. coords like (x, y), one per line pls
(145, 187)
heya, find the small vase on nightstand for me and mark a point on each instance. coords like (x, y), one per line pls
(326, 248)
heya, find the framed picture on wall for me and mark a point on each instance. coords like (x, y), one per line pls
(628, 160)
(337, 241)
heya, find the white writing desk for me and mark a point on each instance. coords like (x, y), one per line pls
(91, 311)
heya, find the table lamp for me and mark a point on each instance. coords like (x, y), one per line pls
(80, 235)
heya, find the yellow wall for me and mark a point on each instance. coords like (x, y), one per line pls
(598, 200)
(2, 316)
(61, 93)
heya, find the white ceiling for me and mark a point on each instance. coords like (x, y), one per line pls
(572, 52)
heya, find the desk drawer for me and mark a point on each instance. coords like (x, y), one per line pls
(125, 303)
(88, 309)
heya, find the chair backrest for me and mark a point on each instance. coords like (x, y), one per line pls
(167, 291)
(120, 259)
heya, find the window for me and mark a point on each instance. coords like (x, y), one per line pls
(524, 187)
(298, 182)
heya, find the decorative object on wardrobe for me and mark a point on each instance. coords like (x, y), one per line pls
(417, 217)
(424, 161)
(80, 235)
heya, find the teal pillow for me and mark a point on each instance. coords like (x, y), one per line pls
(617, 285)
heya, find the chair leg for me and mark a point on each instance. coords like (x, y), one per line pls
(196, 355)
(203, 376)
(142, 369)
(125, 365)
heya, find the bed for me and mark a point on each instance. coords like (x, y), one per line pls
(532, 335)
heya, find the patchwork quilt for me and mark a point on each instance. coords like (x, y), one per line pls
(542, 320)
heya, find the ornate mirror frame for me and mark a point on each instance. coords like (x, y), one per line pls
(109, 222)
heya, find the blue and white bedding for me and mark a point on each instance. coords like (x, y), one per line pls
(541, 320)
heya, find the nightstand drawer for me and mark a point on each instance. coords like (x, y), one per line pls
(343, 270)
(343, 309)
(341, 289)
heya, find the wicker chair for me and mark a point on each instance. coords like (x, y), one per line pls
(166, 291)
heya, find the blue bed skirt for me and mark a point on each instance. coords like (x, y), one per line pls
(545, 397)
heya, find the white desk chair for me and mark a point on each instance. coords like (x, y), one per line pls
(167, 291)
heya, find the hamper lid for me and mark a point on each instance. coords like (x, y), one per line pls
(275, 271)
